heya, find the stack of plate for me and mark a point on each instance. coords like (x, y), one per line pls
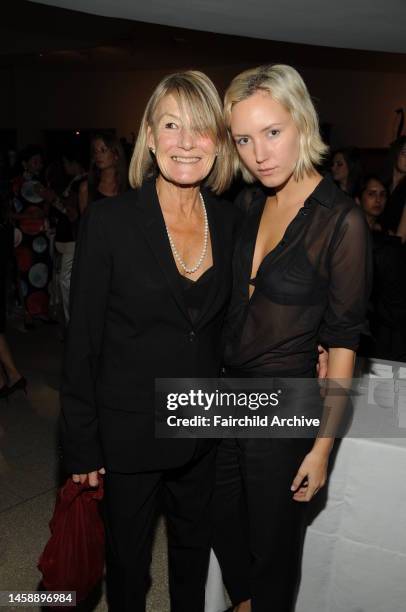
(401, 390)
(381, 388)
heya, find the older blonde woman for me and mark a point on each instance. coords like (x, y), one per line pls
(151, 281)
(301, 275)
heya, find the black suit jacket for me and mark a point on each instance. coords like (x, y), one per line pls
(129, 325)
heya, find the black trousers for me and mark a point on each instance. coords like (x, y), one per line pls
(132, 502)
(258, 527)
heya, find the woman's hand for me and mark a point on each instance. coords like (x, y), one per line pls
(311, 476)
(322, 363)
(92, 476)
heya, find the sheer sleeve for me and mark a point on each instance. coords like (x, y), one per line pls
(350, 282)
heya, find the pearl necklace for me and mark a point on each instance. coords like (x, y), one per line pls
(205, 243)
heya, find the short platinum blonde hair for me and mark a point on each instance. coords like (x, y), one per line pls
(285, 85)
(199, 101)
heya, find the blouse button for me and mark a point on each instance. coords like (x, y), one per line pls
(192, 336)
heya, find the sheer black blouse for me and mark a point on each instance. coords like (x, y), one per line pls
(312, 287)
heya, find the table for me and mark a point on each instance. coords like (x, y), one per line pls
(354, 557)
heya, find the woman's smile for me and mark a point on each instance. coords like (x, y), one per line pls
(185, 160)
(184, 155)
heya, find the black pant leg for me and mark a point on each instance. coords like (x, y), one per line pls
(187, 497)
(276, 521)
(131, 504)
(230, 522)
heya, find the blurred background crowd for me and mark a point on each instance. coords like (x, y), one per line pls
(43, 197)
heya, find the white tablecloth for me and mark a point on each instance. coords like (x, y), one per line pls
(354, 556)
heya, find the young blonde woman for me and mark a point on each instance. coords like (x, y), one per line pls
(301, 275)
(107, 176)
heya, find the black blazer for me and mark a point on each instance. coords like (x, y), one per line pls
(128, 325)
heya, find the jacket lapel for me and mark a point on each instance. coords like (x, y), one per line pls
(153, 227)
(219, 251)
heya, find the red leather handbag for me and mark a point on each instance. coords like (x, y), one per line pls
(73, 558)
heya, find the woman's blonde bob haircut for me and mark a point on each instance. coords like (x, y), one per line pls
(285, 85)
(201, 108)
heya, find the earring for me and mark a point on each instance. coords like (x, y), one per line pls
(152, 149)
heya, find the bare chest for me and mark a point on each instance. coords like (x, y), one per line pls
(272, 228)
(189, 243)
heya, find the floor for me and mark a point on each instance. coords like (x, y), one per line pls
(30, 470)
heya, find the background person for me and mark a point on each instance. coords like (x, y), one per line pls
(346, 169)
(67, 221)
(10, 378)
(394, 218)
(31, 218)
(388, 300)
(107, 175)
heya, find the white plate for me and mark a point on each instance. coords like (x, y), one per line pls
(29, 191)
